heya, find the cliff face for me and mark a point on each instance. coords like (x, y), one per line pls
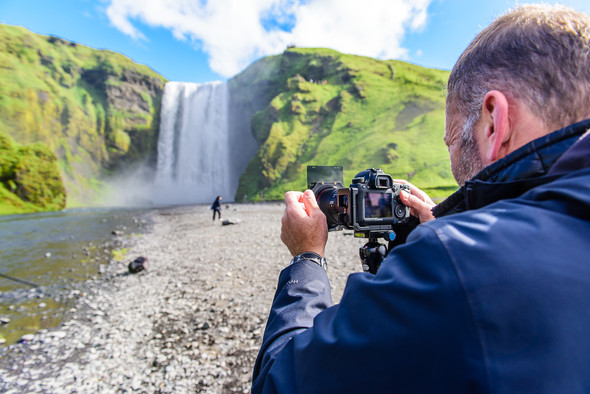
(96, 113)
(321, 107)
(96, 110)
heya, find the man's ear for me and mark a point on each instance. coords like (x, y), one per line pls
(497, 130)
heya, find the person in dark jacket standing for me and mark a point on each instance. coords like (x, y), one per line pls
(216, 207)
(492, 296)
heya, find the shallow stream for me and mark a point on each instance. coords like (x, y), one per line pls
(45, 258)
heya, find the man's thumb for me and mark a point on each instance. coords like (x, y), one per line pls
(309, 201)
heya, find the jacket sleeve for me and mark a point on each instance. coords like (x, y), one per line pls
(406, 329)
(303, 291)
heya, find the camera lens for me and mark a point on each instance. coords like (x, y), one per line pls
(327, 198)
(399, 211)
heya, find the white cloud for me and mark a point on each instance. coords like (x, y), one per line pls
(235, 32)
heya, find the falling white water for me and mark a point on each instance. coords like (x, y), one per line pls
(193, 146)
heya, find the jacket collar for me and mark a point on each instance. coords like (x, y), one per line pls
(532, 165)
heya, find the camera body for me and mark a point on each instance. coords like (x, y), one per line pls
(371, 206)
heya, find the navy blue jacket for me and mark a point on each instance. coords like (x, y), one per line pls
(493, 296)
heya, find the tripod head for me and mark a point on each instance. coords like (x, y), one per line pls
(372, 253)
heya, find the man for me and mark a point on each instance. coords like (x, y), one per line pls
(493, 295)
(216, 207)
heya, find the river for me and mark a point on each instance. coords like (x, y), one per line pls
(45, 258)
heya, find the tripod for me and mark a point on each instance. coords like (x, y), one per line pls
(372, 253)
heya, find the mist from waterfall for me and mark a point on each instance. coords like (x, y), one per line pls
(194, 164)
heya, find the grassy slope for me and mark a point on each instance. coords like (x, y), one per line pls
(29, 178)
(369, 113)
(55, 92)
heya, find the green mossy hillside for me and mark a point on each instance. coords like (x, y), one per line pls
(322, 107)
(97, 110)
(30, 179)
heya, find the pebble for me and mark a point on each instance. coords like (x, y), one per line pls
(59, 334)
(27, 338)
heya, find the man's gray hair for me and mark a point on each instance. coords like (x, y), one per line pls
(538, 54)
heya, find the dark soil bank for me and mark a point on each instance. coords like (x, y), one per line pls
(192, 322)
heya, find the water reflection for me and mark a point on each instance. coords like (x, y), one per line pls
(56, 251)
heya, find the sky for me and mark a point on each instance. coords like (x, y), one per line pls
(209, 40)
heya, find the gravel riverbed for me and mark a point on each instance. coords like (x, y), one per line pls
(192, 322)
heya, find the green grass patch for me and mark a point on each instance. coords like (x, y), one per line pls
(119, 254)
(328, 108)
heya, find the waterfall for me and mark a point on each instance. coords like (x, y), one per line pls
(194, 163)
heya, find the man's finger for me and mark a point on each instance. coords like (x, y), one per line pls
(294, 204)
(309, 202)
(292, 198)
(416, 192)
(422, 209)
(410, 200)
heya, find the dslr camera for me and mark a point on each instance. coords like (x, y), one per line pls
(371, 206)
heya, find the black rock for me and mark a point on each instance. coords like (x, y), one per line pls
(138, 265)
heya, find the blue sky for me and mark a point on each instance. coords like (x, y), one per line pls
(206, 40)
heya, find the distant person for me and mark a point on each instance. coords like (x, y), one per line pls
(216, 207)
(492, 296)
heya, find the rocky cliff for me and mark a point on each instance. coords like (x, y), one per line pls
(322, 107)
(98, 111)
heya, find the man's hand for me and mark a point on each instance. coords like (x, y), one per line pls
(418, 201)
(304, 224)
